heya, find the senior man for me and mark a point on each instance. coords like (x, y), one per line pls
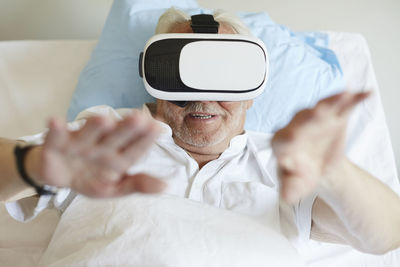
(202, 152)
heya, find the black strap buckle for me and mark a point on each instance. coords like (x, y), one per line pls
(204, 23)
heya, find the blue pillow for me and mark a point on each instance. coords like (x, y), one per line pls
(301, 69)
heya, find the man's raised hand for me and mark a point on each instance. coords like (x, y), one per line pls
(94, 159)
(312, 144)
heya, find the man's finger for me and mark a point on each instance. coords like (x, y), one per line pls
(57, 134)
(138, 146)
(129, 128)
(94, 128)
(351, 102)
(342, 102)
(332, 101)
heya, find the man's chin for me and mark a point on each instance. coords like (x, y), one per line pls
(200, 141)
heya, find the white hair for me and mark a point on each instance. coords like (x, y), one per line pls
(173, 17)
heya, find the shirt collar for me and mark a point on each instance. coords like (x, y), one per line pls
(236, 145)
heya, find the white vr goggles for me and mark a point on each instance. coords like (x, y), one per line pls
(204, 66)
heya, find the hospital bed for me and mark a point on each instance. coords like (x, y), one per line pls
(37, 79)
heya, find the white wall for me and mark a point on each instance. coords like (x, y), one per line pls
(52, 19)
(379, 21)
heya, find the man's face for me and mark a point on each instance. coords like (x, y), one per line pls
(205, 126)
(204, 123)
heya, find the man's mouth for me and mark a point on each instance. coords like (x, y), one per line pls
(201, 116)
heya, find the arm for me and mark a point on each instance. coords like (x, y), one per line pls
(92, 161)
(10, 182)
(355, 208)
(352, 207)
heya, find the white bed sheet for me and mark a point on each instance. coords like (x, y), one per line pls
(369, 146)
(168, 231)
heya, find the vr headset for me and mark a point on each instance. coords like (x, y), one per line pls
(204, 66)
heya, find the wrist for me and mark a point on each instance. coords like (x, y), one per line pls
(32, 164)
(21, 153)
(334, 178)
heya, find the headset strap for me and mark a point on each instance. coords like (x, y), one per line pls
(204, 23)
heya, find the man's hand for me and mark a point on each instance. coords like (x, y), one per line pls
(93, 160)
(312, 144)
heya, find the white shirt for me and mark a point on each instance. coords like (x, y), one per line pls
(243, 179)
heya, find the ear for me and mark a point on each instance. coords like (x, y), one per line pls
(249, 103)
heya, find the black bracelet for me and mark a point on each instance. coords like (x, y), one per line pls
(20, 153)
